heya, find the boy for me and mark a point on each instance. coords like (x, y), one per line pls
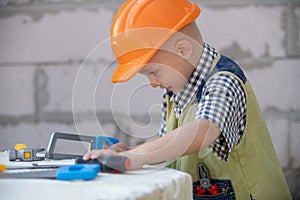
(210, 113)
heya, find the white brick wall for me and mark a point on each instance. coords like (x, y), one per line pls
(54, 36)
(37, 135)
(256, 29)
(17, 91)
(295, 144)
(276, 85)
(281, 138)
(32, 134)
(61, 77)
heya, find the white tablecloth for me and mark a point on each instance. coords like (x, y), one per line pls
(143, 184)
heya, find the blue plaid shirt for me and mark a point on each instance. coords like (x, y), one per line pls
(220, 94)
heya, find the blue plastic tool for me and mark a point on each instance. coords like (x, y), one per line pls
(101, 140)
(78, 172)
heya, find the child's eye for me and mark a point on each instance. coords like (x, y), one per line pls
(152, 73)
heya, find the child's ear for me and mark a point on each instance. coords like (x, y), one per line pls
(184, 49)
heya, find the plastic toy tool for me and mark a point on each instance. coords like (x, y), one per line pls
(82, 170)
(95, 142)
(25, 154)
(109, 164)
(72, 172)
(205, 187)
(78, 171)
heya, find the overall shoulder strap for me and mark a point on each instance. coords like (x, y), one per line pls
(225, 64)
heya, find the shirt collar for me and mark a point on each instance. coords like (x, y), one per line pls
(189, 90)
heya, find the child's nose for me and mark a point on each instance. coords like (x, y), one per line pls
(153, 81)
(154, 84)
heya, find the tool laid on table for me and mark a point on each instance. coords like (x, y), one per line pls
(110, 164)
(20, 146)
(205, 187)
(25, 154)
(4, 167)
(82, 170)
(72, 172)
(95, 142)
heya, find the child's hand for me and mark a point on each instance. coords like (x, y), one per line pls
(135, 159)
(108, 150)
(119, 147)
(94, 154)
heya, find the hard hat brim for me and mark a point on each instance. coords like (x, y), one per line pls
(126, 71)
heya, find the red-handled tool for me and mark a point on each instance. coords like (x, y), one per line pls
(205, 186)
(200, 191)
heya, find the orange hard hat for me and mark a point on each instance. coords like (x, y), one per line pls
(141, 27)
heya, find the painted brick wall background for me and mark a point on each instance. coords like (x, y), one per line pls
(56, 63)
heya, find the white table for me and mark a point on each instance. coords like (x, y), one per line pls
(145, 184)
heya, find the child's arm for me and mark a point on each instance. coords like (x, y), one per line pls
(119, 147)
(113, 150)
(184, 140)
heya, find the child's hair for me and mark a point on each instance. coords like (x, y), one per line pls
(189, 32)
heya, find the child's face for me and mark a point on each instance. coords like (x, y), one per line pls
(168, 71)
